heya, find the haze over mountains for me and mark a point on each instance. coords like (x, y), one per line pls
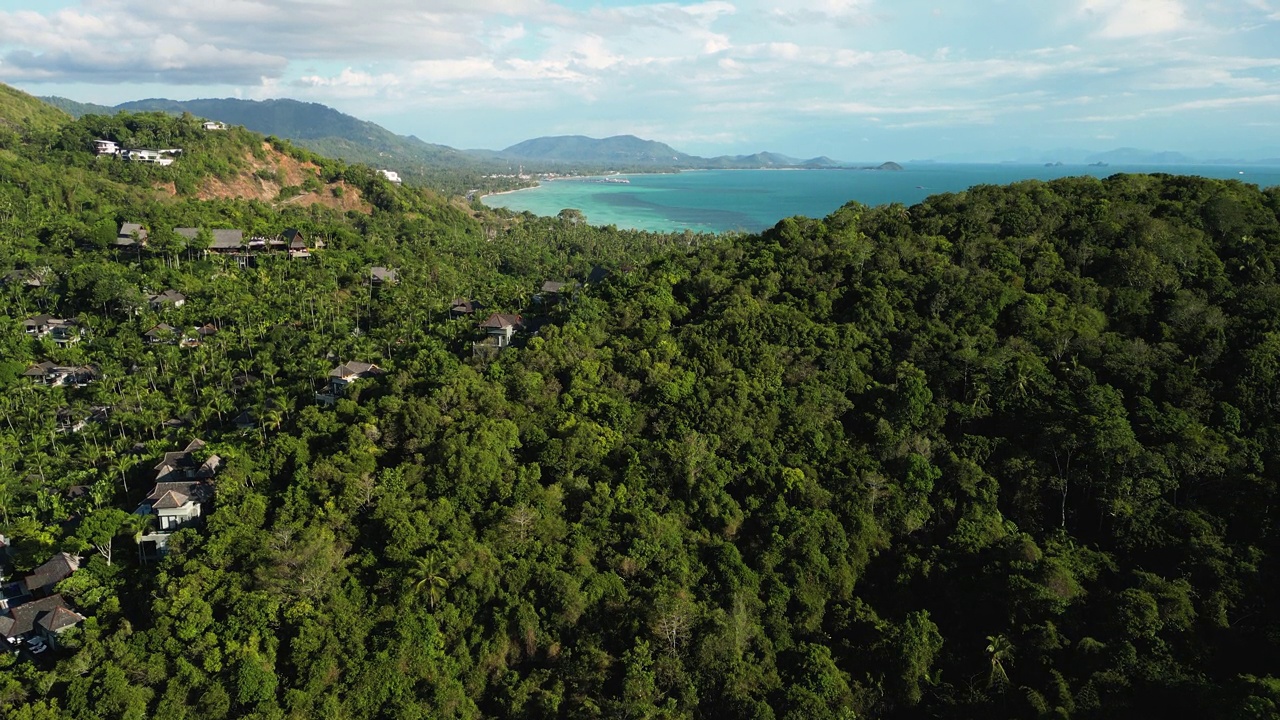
(336, 134)
(328, 131)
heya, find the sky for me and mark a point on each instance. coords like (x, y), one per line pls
(850, 79)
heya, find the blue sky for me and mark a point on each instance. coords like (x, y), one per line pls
(852, 79)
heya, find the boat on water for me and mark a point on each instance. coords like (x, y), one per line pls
(606, 180)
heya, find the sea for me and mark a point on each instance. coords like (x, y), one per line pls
(752, 200)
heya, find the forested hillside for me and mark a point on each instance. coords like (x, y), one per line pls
(20, 112)
(330, 133)
(1007, 453)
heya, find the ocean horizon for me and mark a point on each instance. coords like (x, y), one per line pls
(753, 200)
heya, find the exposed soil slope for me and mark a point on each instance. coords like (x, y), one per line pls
(261, 180)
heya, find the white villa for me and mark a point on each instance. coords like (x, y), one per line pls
(158, 157)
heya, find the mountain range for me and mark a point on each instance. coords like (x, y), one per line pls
(330, 132)
(335, 134)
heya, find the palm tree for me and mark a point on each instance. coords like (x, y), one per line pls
(123, 464)
(427, 578)
(1001, 651)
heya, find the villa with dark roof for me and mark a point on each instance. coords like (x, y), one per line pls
(55, 375)
(62, 332)
(42, 580)
(46, 618)
(383, 276)
(182, 488)
(167, 299)
(164, 333)
(131, 234)
(500, 328)
(462, 307)
(343, 376)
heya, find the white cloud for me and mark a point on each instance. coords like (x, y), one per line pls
(1137, 18)
(841, 12)
(717, 64)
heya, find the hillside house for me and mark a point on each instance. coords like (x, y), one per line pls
(294, 238)
(106, 147)
(462, 307)
(41, 582)
(182, 489)
(391, 175)
(197, 335)
(345, 375)
(166, 299)
(223, 241)
(260, 244)
(383, 276)
(229, 242)
(162, 334)
(155, 157)
(499, 329)
(296, 242)
(73, 420)
(46, 618)
(554, 291)
(62, 332)
(54, 375)
(184, 465)
(214, 125)
(31, 277)
(131, 235)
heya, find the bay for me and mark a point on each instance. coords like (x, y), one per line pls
(752, 200)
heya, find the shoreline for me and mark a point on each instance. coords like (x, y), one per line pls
(535, 186)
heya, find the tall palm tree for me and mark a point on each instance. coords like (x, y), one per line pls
(122, 464)
(1001, 651)
(427, 578)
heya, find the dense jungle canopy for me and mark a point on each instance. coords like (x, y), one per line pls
(1010, 452)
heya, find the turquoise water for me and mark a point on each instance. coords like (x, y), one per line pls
(751, 200)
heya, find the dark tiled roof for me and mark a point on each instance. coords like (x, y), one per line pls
(170, 500)
(37, 321)
(381, 274)
(60, 619)
(222, 239)
(40, 369)
(295, 238)
(182, 491)
(500, 321)
(57, 569)
(44, 612)
(463, 306)
(356, 369)
(180, 458)
(127, 231)
(171, 297)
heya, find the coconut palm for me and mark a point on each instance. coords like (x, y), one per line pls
(427, 578)
(1001, 651)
